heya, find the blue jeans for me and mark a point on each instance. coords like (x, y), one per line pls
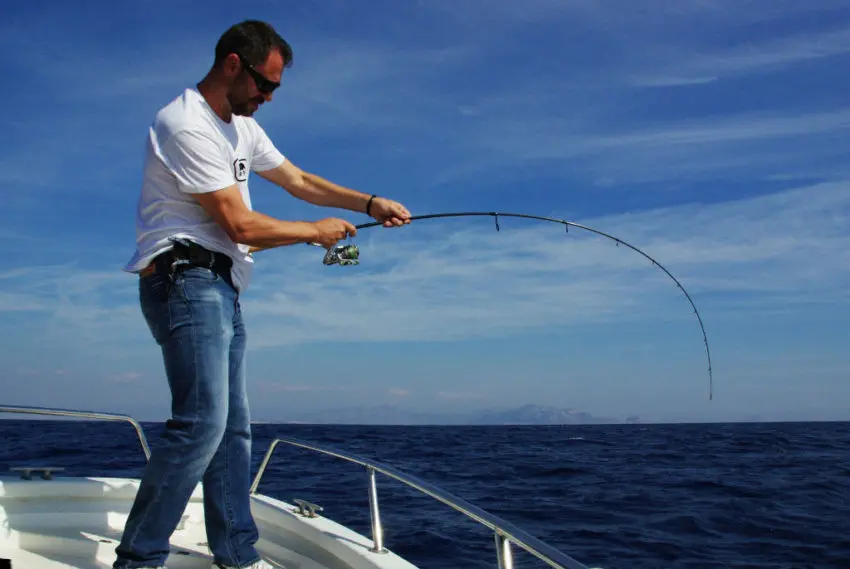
(196, 319)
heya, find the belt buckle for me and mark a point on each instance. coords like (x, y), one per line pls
(178, 262)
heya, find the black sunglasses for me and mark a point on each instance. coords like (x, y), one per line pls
(263, 85)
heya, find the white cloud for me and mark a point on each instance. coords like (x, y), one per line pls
(576, 123)
(756, 145)
(695, 41)
(785, 251)
(407, 98)
(124, 378)
(269, 386)
(672, 81)
(355, 87)
(22, 302)
(445, 280)
(492, 17)
(764, 56)
(459, 395)
(746, 127)
(77, 309)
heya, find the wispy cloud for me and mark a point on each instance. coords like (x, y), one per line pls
(459, 395)
(578, 123)
(65, 144)
(699, 148)
(781, 251)
(125, 378)
(22, 302)
(587, 124)
(626, 15)
(672, 80)
(75, 308)
(448, 282)
(339, 86)
(762, 57)
(270, 386)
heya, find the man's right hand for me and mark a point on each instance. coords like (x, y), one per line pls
(331, 230)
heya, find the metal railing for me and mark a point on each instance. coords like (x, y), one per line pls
(505, 533)
(82, 415)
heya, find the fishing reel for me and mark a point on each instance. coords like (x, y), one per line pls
(342, 255)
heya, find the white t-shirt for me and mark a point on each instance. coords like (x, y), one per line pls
(191, 150)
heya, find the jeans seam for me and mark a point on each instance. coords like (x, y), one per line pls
(187, 301)
(225, 489)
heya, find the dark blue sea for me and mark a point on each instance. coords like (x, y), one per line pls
(754, 495)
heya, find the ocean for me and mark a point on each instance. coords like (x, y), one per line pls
(747, 495)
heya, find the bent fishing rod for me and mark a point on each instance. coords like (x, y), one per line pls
(349, 254)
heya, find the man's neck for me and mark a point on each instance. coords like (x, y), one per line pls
(216, 97)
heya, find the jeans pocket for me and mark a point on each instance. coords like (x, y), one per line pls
(154, 293)
(198, 293)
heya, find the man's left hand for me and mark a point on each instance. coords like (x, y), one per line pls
(390, 212)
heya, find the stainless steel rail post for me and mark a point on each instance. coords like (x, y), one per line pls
(377, 529)
(503, 552)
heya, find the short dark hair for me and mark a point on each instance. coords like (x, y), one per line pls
(252, 40)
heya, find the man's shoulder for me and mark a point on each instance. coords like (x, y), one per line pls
(184, 112)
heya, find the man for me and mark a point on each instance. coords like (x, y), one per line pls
(196, 235)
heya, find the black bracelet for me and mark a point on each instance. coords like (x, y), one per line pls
(369, 204)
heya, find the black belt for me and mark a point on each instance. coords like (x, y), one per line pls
(185, 254)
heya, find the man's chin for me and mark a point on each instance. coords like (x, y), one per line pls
(246, 110)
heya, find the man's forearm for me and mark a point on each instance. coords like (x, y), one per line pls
(261, 231)
(319, 191)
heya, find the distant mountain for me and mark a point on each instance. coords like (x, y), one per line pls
(376, 415)
(539, 415)
(392, 415)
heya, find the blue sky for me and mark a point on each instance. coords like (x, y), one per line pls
(713, 135)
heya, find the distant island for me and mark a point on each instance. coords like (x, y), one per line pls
(391, 415)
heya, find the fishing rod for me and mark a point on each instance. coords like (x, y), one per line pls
(349, 254)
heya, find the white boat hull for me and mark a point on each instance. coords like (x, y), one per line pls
(51, 523)
(76, 523)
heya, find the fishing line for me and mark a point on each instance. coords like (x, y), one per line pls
(349, 255)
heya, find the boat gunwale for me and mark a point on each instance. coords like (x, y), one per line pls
(505, 533)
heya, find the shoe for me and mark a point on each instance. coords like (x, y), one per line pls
(260, 564)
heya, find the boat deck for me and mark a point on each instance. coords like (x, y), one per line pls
(65, 548)
(77, 524)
